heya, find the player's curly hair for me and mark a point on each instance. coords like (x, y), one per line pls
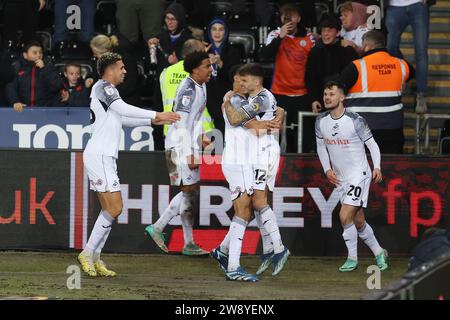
(105, 60)
(194, 60)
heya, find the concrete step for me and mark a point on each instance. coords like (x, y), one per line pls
(442, 6)
(438, 70)
(435, 55)
(435, 104)
(436, 88)
(438, 38)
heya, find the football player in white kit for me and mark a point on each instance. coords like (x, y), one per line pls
(258, 172)
(108, 114)
(182, 152)
(341, 136)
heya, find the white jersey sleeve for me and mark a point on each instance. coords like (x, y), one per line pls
(135, 122)
(362, 128)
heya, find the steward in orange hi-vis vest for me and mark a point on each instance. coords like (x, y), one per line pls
(375, 83)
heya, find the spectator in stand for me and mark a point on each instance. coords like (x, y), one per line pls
(326, 60)
(61, 34)
(129, 88)
(354, 25)
(21, 15)
(76, 91)
(290, 46)
(135, 15)
(223, 56)
(171, 39)
(7, 74)
(36, 82)
(400, 14)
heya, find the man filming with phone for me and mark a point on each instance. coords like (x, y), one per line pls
(289, 46)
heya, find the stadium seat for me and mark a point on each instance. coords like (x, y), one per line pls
(105, 17)
(247, 39)
(45, 38)
(222, 8)
(321, 10)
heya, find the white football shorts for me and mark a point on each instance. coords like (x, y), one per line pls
(102, 172)
(179, 172)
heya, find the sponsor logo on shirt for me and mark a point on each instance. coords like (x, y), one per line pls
(337, 141)
(336, 127)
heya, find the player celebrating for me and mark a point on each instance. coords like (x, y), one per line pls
(238, 172)
(108, 113)
(261, 105)
(181, 151)
(340, 137)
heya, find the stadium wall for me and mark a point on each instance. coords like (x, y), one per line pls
(45, 203)
(61, 128)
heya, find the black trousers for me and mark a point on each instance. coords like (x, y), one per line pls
(390, 141)
(292, 105)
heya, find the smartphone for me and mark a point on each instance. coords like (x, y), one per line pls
(287, 19)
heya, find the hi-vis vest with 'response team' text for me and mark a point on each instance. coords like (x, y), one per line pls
(377, 93)
(169, 80)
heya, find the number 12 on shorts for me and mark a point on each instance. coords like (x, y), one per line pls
(260, 176)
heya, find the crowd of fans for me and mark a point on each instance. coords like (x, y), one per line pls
(305, 47)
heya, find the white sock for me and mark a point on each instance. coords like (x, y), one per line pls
(102, 227)
(265, 236)
(269, 222)
(171, 211)
(237, 231)
(367, 235)
(100, 246)
(187, 217)
(350, 236)
(225, 245)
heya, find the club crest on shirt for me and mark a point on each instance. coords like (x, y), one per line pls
(186, 100)
(303, 43)
(109, 91)
(255, 107)
(336, 127)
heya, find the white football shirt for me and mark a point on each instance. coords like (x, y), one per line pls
(344, 139)
(189, 103)
(108, 113)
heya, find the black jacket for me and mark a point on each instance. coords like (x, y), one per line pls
(78, 95)
(218, 86)
(324, 63)
(168, 47)
(34, 86)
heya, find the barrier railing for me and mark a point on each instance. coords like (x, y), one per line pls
(422, 129)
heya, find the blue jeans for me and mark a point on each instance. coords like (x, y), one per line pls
(397, 19)
(87, 8)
